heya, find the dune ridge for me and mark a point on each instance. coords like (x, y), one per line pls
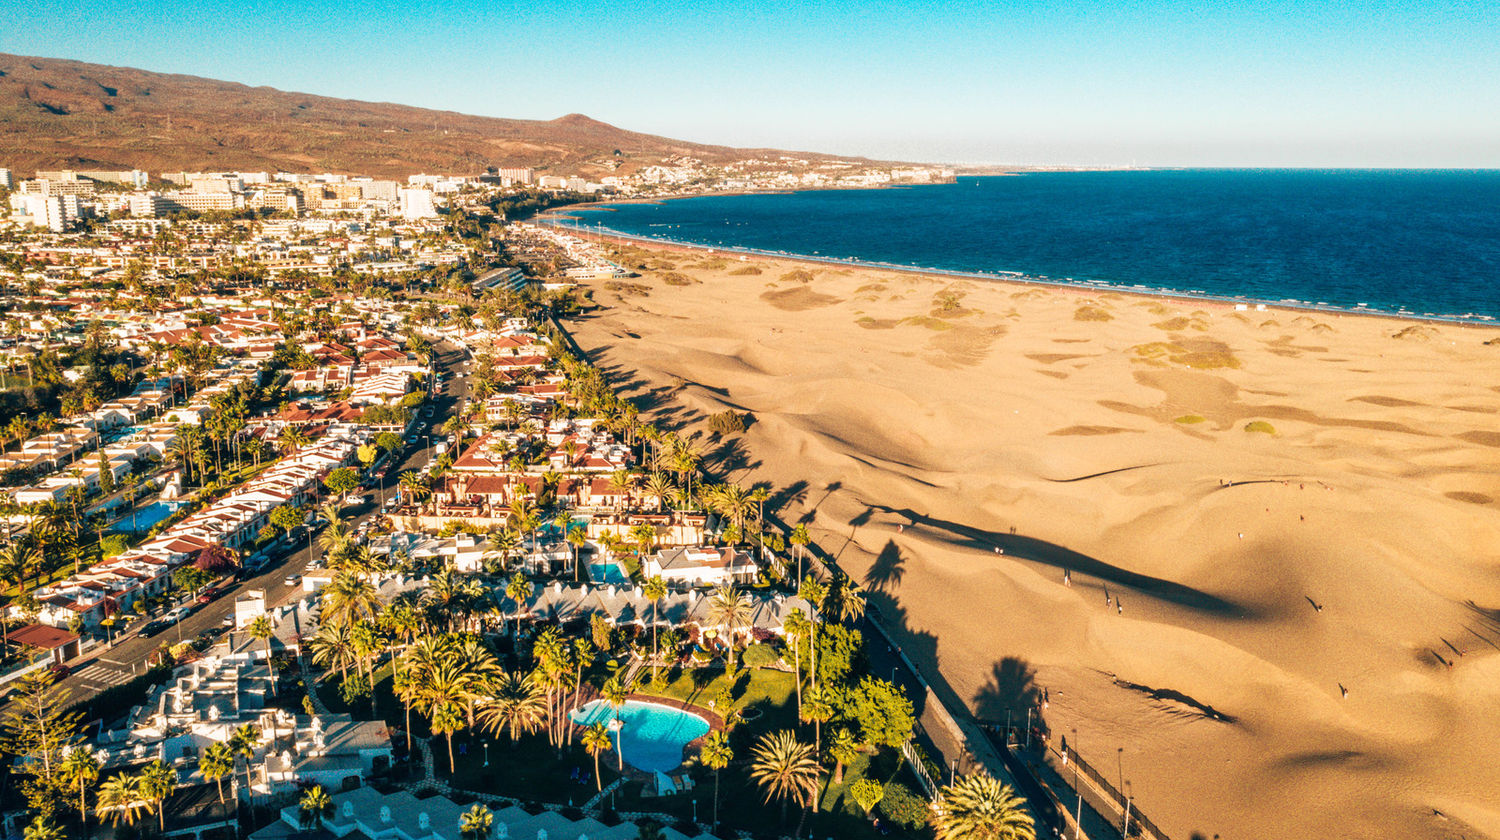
(1277, 504)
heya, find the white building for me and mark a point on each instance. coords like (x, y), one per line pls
(700, 566)
(416, 204)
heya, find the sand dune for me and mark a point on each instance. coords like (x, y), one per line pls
(1219, 472)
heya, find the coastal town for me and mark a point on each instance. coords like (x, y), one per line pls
(317, 522)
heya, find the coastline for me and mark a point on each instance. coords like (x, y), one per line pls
(557, 218)
(1212, 471)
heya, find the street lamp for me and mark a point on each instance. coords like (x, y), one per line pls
(486, 753)
(1077, 791)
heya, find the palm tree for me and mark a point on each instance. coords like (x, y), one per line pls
(43, 828)
(657, 487)
(314, 806)
(504, 542)
(293, 438)
(644, 537)
(730, 608)
(81, 768)
(262, 630)
(242, 742)
(120, 800)
(476, 823)
(800, 539)
(815, 710)
(786, 768)
(844, 748)
(596, 740)
(583, 656)
(402, 621)
(158, 783)
(716, 755)
(655, 590)
(577, 536)
(978, 807)
(350, 598)
(333, 647)
(443, 692)
(851, 600)
(519, 590)
(615, 693)
(413, 487)
(517, 706)
(733, 501)
(813, 592)
(216, 765)
(795, 626)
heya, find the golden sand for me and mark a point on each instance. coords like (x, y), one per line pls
(1219, 471)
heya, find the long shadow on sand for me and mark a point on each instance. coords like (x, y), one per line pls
(889, 568)
(1041, 551)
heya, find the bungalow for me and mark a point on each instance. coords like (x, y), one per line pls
(701, 566)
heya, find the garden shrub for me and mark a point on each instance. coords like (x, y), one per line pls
(759, 656)
(903, 807)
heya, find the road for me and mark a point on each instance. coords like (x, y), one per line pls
(105, 667)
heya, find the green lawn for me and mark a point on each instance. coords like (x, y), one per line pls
(767, 691)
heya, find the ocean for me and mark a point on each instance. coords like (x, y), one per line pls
(1411, 242)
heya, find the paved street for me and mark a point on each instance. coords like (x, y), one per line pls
(105, 667)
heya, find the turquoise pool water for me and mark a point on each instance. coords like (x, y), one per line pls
(611, 572)
(144, 518)
(654, 734)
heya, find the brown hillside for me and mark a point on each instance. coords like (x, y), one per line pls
(56, 113)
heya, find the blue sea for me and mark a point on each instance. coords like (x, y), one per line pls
(1412, 242)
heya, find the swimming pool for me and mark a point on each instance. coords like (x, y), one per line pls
(144, 518)
(654, 735)
(612, 572)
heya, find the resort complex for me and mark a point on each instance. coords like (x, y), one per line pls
(320, 524)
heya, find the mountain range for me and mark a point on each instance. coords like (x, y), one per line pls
(63, 114)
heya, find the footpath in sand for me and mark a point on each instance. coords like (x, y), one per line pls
(1258, 511)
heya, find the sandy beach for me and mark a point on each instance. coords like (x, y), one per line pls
(1258, 511)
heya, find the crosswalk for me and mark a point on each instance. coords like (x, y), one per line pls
(103, 674)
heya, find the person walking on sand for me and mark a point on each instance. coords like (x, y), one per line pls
(1067, 577)
(1119, 607)
(1343, 691)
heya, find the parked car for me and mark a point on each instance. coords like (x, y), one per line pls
(292, 580)
(154, 627)
(59, 670)
(178, 614)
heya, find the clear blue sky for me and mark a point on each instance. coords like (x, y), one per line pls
(1236, 83)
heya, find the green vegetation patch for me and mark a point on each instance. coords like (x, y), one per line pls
(1091, 313)
(1195, 353)
(747, 270)
(1190, 419)
(875, 323)
(800, 275)
(1260, 426)
(672, 278)
(627, 288)
(928, 322)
